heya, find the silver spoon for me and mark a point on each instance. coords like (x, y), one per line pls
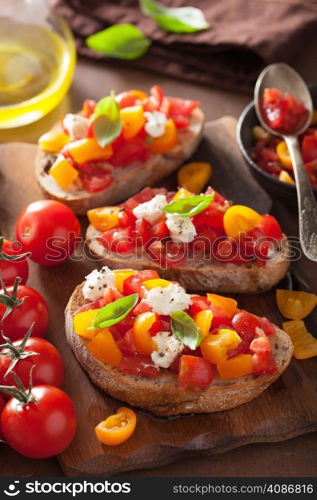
(285, 79)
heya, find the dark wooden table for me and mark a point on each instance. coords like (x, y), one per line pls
(296, 457)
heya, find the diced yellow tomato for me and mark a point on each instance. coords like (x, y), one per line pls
(194, 176)
(53, 141)
(283, 155)
(133, 120)
(117, 428)
(167, 141)
(285, 177)
(305, 345)
(203, 320)
(239, 366)
(104, 218)
(214, 348)
(88, 149)
(228, 305)
(105, 349)
(259, 133)
(121, 275)
(83, 321)
(182, 193)
(295, 305)
(154, 283)
(240, 219)
(63, 172)
(141, 336)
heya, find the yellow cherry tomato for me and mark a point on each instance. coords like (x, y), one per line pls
(203, 320)
(154, 283)
(167, 141)
(117, 428)
(305, 345)
(53, 141)
(295, 305)
(214, 348)
(133, 120)
(182, 193)
(228, 305)
(104, 218)
(285, 177)
(83, 321)
(105, 349)
(283, 155)
(121, 275)
(194, 176)
(239, 366)
(240, 219)
(63, 172)
(259, 133)
(141, 332)
(88, 149)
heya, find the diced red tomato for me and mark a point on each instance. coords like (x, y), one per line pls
(125, 342)
(263, 360)
(199, 304)
(167, 255)
(94, 183)
(157, 94)
(220, 318)
(110, 295)
(126, 152)
(88, 108)
(96, 304)
(122, 327)
(141, 308)
(143, 232)
(195, 372)
(245, 324)
(212, 216)
(261, 346)
(242, 348)
(118, 240)
(160, 230)
(270, 227)
(133, 284)
(139, 364)
(309, 147)
(157, 325)
(143, 196)
(126, 218)
(267, 326)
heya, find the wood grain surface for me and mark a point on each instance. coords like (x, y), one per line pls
(288, 408)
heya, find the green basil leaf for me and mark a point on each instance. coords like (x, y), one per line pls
(115, 312)
(107, 122)
(187, 207)
(175, 20)
(185, 329)
(121, 41)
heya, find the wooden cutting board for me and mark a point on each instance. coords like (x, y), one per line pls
(288, 408)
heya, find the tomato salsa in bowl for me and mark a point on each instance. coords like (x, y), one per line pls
(268, 158)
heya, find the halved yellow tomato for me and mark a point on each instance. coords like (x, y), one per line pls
(88, 149)
(167, 141)
(203, 320)
(141, 332)
(305, 345)
(283, 155)
(82, 321)
(154, 283)
(228, 305)
(105, 349)
(240, 219)
(133, 120)
(194, 176)
(295, 305)
(117, 428)
(285, 177)
(104, 218)
(239, 366)
(214, 347)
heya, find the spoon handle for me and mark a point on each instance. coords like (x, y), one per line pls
(307, 206)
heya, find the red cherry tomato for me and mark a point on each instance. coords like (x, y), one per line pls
(195, 372)
(2, 405)
(198, 304)
(33, 309)
(9, 268)
(41, 428)
(270, 227)
(48, 229)
(48, 364)
(118, 240)
(245, 324)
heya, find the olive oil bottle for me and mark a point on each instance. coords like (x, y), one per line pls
(36, 69)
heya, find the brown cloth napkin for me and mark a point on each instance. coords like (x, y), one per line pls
(244, 35)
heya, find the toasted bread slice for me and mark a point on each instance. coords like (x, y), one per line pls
(161, 395)
(128, 180)
(199, 275)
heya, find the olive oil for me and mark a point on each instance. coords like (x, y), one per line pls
(36, 69)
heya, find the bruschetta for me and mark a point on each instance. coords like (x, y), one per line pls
(202, 241)
(112, 149)
(146, 341)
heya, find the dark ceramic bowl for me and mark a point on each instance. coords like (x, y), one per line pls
(276, 188)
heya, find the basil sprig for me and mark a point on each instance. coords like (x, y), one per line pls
(187, 207)
(185, 329)
(115, 312)
(175, 20)
(107, 122)
(121, 41)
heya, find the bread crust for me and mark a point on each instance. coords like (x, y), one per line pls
(128, 180)
(161, 395)
(199, 275)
